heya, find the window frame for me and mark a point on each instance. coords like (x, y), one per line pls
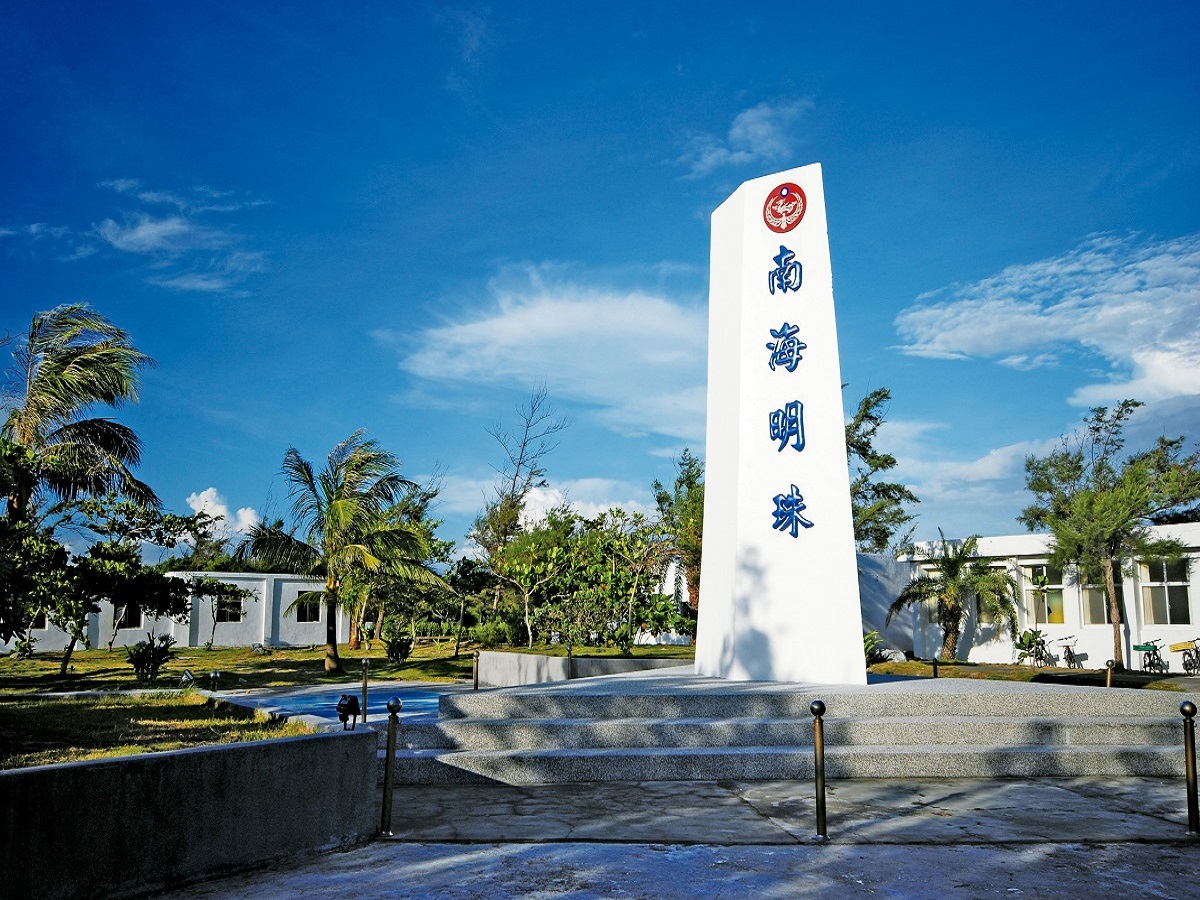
(315, 605)
(227, 611)
(1037, 599)
(1148, 584)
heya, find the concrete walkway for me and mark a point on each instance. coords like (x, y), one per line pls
(909, 838)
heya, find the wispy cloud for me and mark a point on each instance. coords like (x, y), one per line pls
(170, 235)
(764, 133)
(636, 359)
(186, 248)
(471, 30)
(1134, 303)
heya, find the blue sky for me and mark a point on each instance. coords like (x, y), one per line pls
(404, 217)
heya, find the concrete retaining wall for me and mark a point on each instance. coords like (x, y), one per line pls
(499, 669)
(117, 827)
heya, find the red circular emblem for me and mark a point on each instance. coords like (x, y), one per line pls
(784, 208)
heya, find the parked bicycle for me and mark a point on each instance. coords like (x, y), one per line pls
(1068, 652)
(1191, 655)
(1152, 660)
(1041, 654)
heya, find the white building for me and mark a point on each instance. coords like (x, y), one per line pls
(1160, 602)
(270, 617)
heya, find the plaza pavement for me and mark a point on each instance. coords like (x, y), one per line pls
(1054, 837)
(1079, 837)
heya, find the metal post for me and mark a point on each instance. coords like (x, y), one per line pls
(1188, 708)
(570, 663)
(213, 678)
(475, 670)
(935, 674)
(366, 664)
(1112, 664)
(389, 765)
(817, 708)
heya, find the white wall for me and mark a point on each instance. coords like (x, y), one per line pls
(266, 619)
(1093, 643)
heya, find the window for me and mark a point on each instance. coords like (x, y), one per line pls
(1095, 605)
(1044, 596)
(39, 621)
(982, 616)
(308, 611)
(1095, 602)
(1165, 592)
(229, 610)
(132, 617)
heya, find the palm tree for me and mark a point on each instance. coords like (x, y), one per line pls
(957, 576)
(345, 523)
(73, 359)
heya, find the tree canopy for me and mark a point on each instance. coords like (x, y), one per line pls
(878, 507)
(1098, 503)
(681, 511)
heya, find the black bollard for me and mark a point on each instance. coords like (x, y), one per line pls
(389, 765)
(1188, 708)
(817, 708)
(475, 670)
(935, 675)
(366, 664)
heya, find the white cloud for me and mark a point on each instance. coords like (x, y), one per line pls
(589, 497)
(210, 501)
(194, 281)
(120, 185)
(637, 358)
(186, 249)
(171, 235)
(1135, 304)
(762, 133)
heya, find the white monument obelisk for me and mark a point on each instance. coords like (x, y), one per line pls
(779, 582)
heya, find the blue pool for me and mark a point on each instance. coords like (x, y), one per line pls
(418, 703)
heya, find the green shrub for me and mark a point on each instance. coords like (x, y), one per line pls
(1027, 643)
(490, 635)
(23, 646)
(874, 649)
(397, 643)
(148, 657)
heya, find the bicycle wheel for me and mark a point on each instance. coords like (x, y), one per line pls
(1191, 662)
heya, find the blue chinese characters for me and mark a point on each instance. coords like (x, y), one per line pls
(788, 508)
(785, 349)
(787, 274)
(787, 423)
(787, 426)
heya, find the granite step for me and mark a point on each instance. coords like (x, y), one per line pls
(933, 701)
(515, 734)
(780, 763)
(668, 727)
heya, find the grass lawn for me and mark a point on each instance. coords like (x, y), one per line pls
(65, 729)
(240, 668)
(1014, 672)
